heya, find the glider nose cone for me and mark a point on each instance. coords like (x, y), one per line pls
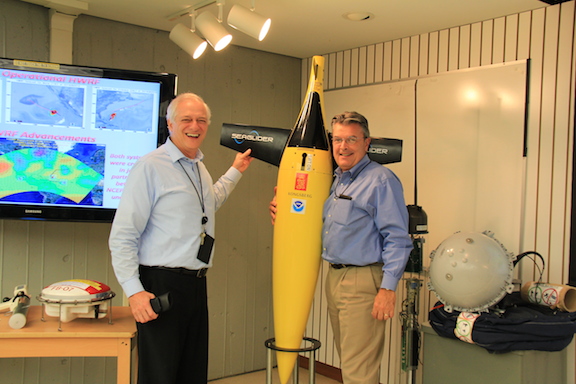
(309, 130)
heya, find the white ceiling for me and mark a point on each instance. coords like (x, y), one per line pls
(303, 28)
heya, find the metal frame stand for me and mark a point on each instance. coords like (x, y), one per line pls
(411, 329)
(61, 303)
(315, 344)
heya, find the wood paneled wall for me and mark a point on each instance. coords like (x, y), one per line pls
(241, 86)
(545, 37)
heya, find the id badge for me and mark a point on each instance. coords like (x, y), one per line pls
(205, 249)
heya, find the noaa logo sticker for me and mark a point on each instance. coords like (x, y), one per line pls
(298, 206)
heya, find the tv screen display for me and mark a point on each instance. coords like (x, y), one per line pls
(70, 134)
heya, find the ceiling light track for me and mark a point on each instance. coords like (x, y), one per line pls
(189, 10)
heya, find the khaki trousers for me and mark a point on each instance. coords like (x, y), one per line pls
(359, 338)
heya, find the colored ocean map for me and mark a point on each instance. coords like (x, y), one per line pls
(44, 171)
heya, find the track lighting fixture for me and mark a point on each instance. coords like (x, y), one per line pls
(213, 31)
(249, 22)
(186, 39)
(211, 28)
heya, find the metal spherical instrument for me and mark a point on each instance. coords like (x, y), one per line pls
(470, 271)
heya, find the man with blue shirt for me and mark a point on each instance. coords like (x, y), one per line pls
(161, 242)
(365, 239)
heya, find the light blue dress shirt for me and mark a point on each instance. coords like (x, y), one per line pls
(158, 221)
(369, 223)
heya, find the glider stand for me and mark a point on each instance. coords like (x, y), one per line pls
(312, 348)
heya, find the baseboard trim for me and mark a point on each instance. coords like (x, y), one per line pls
(322, 368)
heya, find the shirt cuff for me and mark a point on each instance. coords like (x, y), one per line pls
(132, 286)
(388, 282)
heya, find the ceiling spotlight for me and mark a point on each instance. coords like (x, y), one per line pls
(213, 31)
(188, 40)
(249, 22)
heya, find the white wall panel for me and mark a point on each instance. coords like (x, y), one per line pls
(486, 52)
(464, 47)
(414, 56)
(535, 53)
(511, 38)
(354, 67)
(443, 50)
(370, 63)
(499, 40)
(423, 54)
(346, 76)
(405, 58)
(396, 59)
(561, 149)
(475, 44)
(362, 65)
(523, 37)
(546, 142)
(339, 72)
(379, 63)
(433, 52)
(453, 49)
(387, 61)
(331, 65)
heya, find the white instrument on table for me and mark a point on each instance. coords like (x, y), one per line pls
(76, 298)
(18, 305)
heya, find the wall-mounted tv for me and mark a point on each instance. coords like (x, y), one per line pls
(70, 134)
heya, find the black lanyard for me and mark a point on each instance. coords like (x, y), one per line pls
(200, 194)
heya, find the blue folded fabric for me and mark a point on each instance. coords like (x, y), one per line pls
(513, 326)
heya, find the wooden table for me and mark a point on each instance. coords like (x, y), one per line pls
(79, 337)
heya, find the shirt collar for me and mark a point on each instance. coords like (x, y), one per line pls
(175, 154)
(355, 170)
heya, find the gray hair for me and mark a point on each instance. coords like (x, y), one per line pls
(173, 106)
(348, 118)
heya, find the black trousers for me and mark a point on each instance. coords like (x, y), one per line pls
(173, 349)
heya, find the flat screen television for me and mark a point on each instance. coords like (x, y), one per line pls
(70, 134)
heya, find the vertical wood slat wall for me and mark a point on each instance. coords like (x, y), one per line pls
(546, 37)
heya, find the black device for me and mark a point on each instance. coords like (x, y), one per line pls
(417, 225)
(161, 303)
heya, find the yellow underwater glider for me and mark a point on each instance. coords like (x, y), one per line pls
(305, 163)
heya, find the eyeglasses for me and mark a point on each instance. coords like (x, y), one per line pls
(349, 140)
